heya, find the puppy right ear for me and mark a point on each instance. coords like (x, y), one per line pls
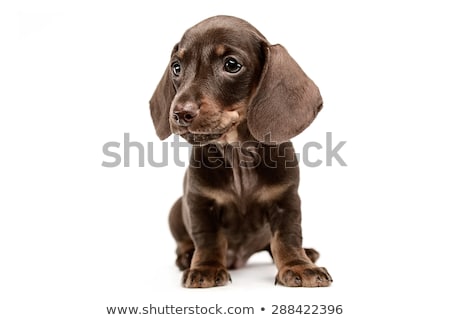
(160, 104)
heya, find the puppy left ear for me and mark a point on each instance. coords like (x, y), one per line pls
(160, 105)
(286, 100)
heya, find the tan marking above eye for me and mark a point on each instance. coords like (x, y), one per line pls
(219, 50)
(181, 53)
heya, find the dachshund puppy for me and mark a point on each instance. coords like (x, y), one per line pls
(238, 100)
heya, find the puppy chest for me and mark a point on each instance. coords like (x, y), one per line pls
(245, 234)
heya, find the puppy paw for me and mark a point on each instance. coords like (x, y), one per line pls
(205, 277)
(184, 260)
(303, 276)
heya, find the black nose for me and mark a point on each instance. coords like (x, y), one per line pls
(184, 114)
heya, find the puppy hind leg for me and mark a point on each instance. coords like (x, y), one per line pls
(185, 246)
(312, 254)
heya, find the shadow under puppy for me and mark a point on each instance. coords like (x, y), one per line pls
(238, 100)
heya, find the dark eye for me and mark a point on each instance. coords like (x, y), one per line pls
(176, 68)
(232, 66)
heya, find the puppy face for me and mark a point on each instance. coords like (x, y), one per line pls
(214, 70)
(224, 78)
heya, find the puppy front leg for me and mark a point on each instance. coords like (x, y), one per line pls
(295, 268)
(208, 262)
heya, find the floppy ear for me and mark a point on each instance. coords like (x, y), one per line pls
(160, 105)
(286, 100)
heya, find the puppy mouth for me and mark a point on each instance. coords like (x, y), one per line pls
(203, 138)
(198, 134)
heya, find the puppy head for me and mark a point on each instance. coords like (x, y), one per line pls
(223, 73)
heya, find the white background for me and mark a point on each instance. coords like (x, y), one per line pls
(76, 237)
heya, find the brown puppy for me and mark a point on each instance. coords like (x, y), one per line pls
(238, 100)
